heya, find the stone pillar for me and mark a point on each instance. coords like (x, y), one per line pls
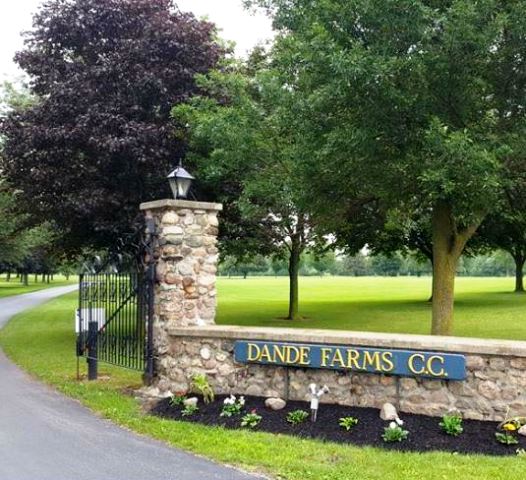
(187, 256)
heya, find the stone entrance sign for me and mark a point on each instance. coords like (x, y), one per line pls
(483, 379)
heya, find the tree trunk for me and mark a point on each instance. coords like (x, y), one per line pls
(448, 245)
(8, 276)
(294, 267)
(25, 279)
(430, 258)
(519, 274)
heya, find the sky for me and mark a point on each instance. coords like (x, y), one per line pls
(235, 23)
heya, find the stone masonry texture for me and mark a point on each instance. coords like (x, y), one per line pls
(187, 257)
(494, 384)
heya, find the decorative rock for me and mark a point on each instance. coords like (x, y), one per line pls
(275, 403)
(205, 353)
(388, 412)
(190, 402)
(522, 431)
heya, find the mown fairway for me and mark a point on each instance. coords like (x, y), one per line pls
(484, 307)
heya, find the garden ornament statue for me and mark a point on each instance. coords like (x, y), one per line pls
(315, 399)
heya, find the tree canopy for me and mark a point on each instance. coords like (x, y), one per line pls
(241, 134)
(414, 98)
(99, 139)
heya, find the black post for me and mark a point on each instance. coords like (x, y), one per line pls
(148, 374)
(151, 230)
(93, 330)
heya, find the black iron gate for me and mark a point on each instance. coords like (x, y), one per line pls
(115, 318)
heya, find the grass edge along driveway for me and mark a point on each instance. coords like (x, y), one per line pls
(42, 342)
(14, 287)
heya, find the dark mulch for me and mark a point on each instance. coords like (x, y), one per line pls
(424, 432)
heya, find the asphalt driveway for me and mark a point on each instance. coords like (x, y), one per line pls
(46, 436)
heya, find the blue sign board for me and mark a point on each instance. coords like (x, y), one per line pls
(407, 363)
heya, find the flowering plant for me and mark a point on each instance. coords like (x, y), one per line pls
(232, 406)
(508, 429)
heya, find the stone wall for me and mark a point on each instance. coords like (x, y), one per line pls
(496, 371)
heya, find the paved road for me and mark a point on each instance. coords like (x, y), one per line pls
(46, 436)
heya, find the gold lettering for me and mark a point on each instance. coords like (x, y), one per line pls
(279, 352)
(253, 352)
(372, 359)
(304, 356)
(290, 358)
(265, 354)
(325, 356)
(352, 359)
(441, 372)
(410, 364)
(337, 358)
(388, 365)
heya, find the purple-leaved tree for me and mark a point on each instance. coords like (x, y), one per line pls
(100, 138)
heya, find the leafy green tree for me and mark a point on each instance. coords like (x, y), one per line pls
(416, 99)
(244, 137)
(323, 263)
(244, 265)
(506, 228)
(386, 265)
(357, 265)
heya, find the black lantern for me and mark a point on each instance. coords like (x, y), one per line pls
(180, 181)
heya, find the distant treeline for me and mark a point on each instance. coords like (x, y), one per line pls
(493, 264)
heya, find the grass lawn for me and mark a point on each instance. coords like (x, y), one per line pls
(14, 287)
(51, 358)
(484, 307)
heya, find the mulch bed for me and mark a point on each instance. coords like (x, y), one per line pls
(424, 432)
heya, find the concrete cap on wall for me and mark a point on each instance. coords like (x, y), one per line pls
(172, 203)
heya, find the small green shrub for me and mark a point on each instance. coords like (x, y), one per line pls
(189, 410)
(251, 420)
(297, 416)
(394, 433)
(348, 422)
(452, 425)
(201, 385)
(177, 400)
(506, 438)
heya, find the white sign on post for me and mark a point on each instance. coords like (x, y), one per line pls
(97, 315)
